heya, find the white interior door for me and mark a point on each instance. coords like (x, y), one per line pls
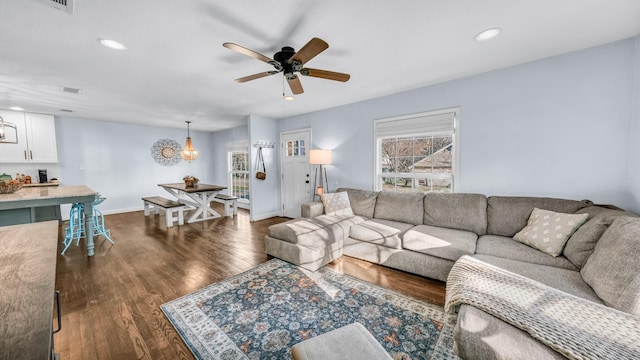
(296, 177)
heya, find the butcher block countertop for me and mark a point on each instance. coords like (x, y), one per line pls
(27, 283)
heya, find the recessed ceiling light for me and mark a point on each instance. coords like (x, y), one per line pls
(487, 34)
(289, 97)
(16, 108)
(112, 44)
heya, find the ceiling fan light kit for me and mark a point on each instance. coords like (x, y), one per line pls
(289, 62)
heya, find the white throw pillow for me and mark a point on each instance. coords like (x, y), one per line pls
(336, 203)
(548, 231)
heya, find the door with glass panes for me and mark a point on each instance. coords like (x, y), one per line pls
(296, 181)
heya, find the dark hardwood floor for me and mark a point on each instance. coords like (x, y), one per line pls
(111, 301)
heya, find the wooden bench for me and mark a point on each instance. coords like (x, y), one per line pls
(169, 206)
(230, 204)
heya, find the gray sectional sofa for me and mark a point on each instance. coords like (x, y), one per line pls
(426, 234)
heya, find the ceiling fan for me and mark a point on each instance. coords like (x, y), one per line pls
(290, 62)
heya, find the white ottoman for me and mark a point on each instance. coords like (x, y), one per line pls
(351, 342)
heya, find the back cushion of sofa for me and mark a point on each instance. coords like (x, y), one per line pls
(403, 207)
(362, 202)
(613, 270)
(506, 215)
(456, 211)
(580, 245)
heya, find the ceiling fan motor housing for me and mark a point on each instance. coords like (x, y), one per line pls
(282, 58)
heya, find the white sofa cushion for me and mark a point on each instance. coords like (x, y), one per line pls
(548, 231)
(336, 203)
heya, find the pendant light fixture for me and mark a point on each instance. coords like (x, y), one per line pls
(189, 153)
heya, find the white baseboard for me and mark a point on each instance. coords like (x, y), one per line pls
(119, 211)
(264, 216)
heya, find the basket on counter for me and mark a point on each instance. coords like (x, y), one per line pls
(9, 186)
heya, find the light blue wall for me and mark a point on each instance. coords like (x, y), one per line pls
(554, 127)
(117, 160)
(219, 145)
(634, 159)
(265, 194)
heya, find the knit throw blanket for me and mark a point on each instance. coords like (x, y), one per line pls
(574, 327)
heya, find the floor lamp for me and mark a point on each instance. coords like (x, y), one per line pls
(320, 157)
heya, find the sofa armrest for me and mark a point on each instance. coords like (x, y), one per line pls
(312, 209)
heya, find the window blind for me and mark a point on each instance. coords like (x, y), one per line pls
(237, 146)
(416, 125)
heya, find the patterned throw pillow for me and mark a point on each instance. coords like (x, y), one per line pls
(548, 231)
(336, 203)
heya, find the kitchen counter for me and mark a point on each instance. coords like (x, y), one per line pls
(41, 184)
(27, 273)
(22, 206)
(44, 195)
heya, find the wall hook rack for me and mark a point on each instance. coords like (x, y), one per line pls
(264, 144)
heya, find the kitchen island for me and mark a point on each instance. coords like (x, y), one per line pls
(28, 200)
(28, 276)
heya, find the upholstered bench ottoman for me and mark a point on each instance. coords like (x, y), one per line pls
(351, 342)
(310, 243)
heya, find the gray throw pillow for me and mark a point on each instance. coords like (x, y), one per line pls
(613, 270)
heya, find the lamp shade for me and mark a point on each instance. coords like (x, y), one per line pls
(320, 157)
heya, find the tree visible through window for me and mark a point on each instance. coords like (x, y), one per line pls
(417, 164)
(416, 153)
(239, 174)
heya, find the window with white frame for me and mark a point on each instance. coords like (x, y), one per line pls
(417, 153)
(239, 171)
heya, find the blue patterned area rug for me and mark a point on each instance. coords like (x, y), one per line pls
(263, 312)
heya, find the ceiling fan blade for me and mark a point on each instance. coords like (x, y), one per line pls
(314, 47)
(256, 76)
(324, 74)
(244, 51)
(294, 84)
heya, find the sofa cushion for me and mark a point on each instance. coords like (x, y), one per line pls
(478, 335)
(505, 247)
(441, 242)
(548, 231)
(456, 211)
(313, 232)
(569, 281)
(363, 202)
(506, 215)
(381, 232)
(336, 203)
(403, 207)
(580, 245)
(613, 270)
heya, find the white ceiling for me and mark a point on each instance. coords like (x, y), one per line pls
(175, 67)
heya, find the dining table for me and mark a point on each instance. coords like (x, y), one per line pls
(34, 197)
(197, 197)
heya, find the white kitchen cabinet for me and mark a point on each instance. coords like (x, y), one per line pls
(36, 136)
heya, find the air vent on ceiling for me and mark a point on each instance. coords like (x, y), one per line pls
(66, 110)
(62, 5)
(70, 90)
